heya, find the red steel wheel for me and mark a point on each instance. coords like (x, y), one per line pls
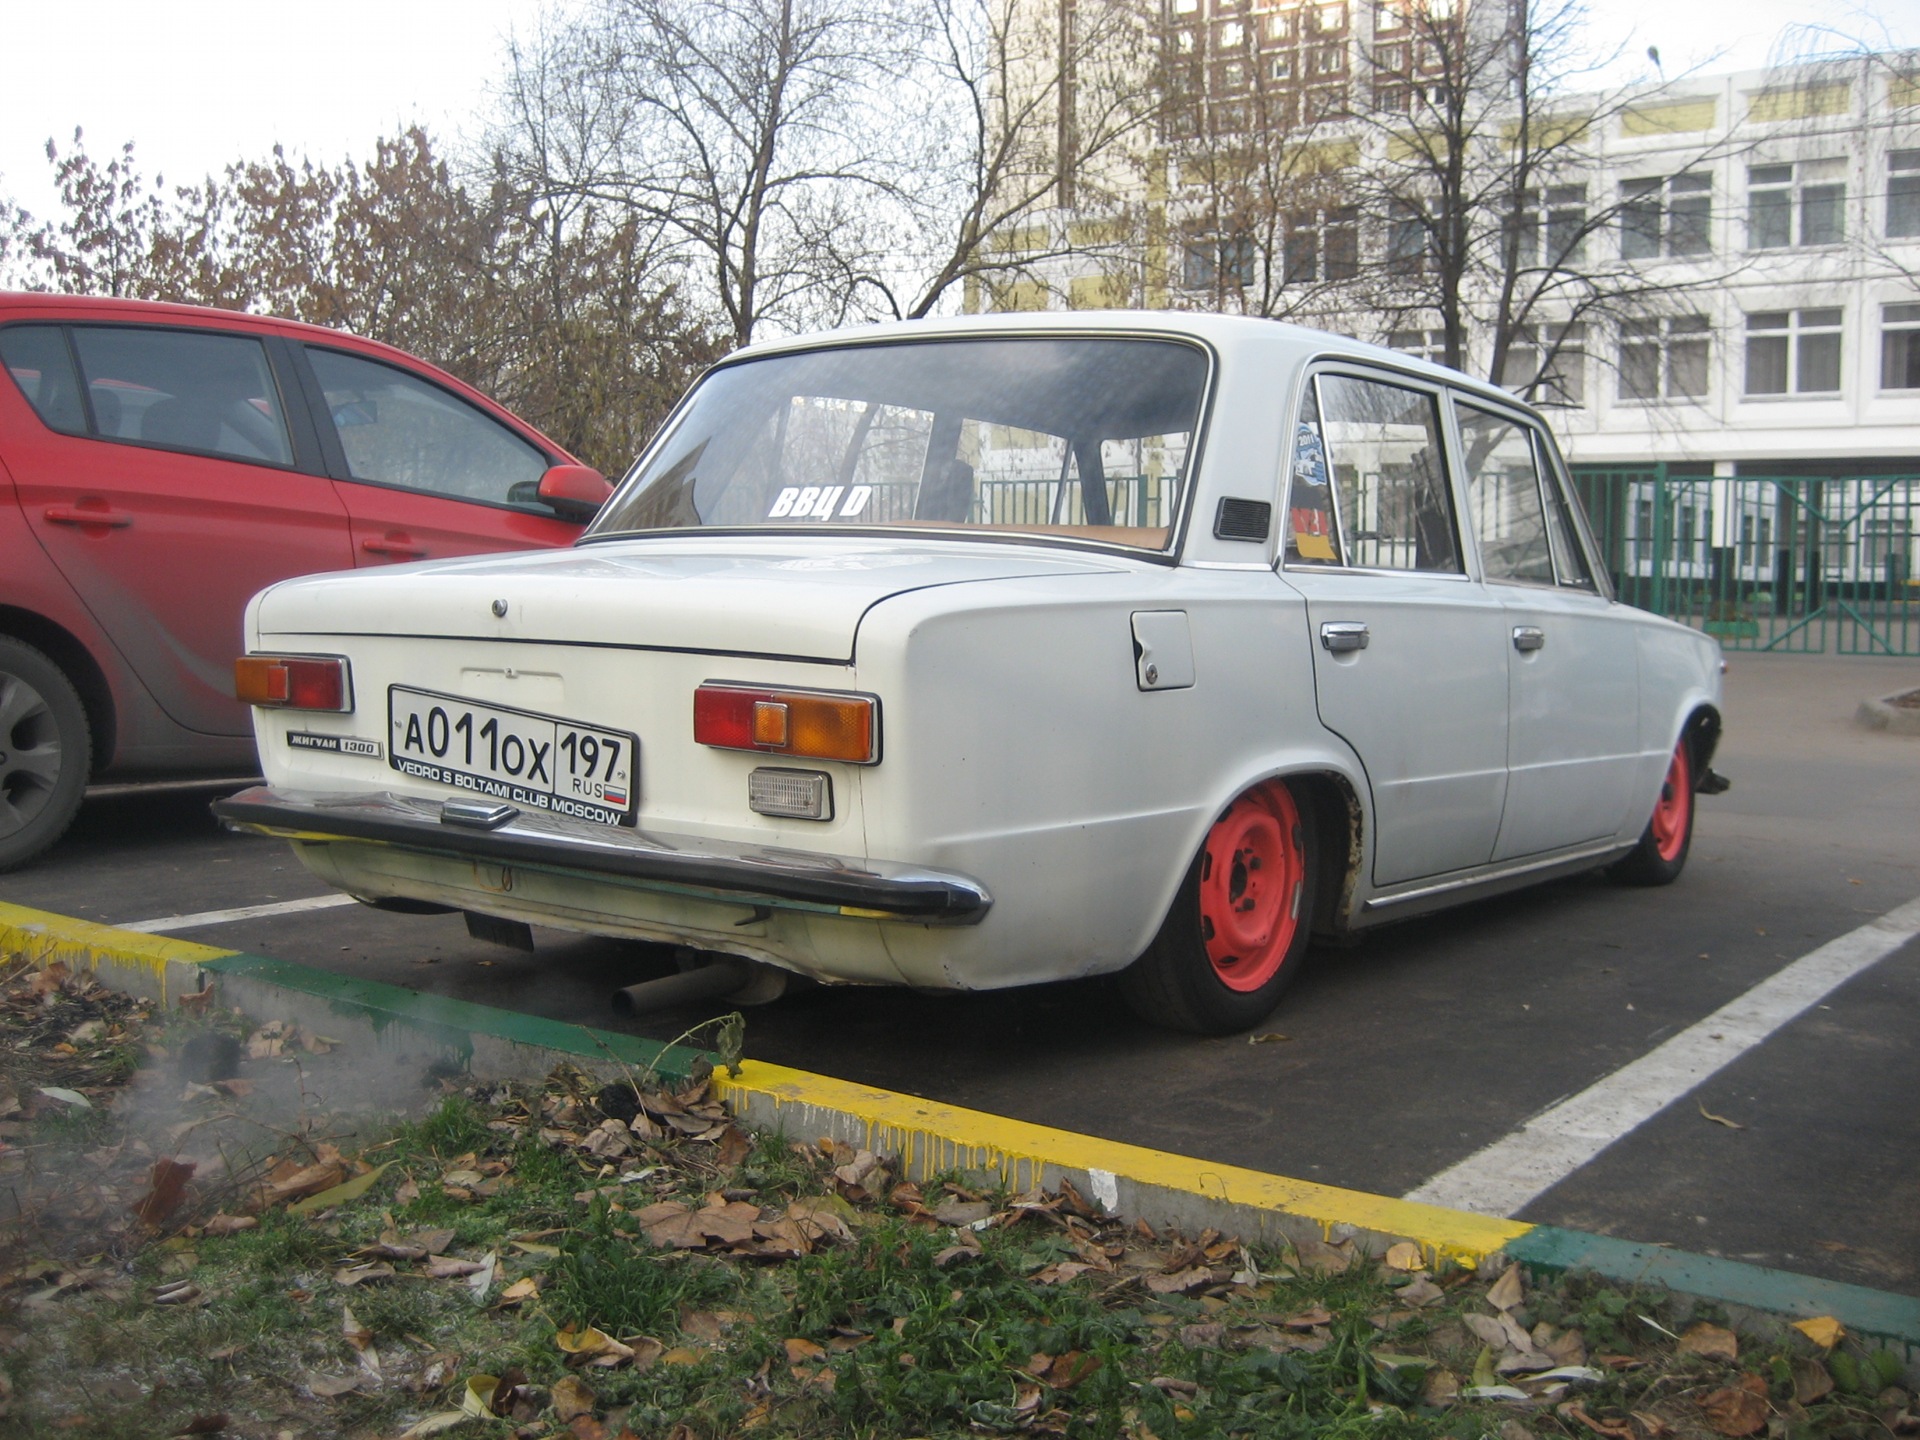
(1237, 932)
(1673, 813)
(1253, 873)
(1662, 852)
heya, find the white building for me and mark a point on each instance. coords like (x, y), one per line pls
(1796, 241)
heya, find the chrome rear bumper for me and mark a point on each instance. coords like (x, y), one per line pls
(747, 874)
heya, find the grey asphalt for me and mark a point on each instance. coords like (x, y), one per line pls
(1403, 1054)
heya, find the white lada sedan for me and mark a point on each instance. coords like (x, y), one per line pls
(996, 651)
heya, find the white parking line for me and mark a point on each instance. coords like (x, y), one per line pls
(1506, 1175)
(167, 924)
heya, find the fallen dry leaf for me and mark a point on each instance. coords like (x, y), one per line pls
(1707, 1114)
(169, 1181)
(571, 1397)
(1823, 1330)
(1709, 1341)
(1404, 1256)
(1506, 1292)
(1736, 1410)
(1811, 1379)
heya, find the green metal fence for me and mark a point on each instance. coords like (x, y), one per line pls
(1778, 562)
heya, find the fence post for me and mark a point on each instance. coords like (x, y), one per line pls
(1661, 527)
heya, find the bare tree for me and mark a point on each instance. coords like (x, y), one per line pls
(745, 132)
(1022, 117)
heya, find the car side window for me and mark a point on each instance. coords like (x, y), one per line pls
(398, 429)
(1385, 469)
(1563, 533)
(1503, 494)
(183, 390)
(36, 357)
(1312, 536)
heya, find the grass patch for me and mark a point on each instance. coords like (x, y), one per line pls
(673, 1277)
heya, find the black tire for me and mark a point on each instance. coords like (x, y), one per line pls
(46, 753)
(1180, 984)
(1662, 852)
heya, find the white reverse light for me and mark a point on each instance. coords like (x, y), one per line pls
(790, 794)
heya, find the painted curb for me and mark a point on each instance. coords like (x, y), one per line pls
(443, 1036)
(1889, 715)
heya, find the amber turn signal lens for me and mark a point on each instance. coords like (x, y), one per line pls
(293, 682)
(818, 725)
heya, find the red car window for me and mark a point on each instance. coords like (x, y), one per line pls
(184, 390)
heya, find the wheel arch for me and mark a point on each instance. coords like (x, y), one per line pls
(66, 650)
(1700, 733)
(1336, 796)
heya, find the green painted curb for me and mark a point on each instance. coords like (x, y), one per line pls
(1733, 1283)
(454, 1025)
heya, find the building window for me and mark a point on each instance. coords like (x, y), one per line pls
(1426, 344)
(1903, 192)
(1668, 215)
(1560, 218)
(1664, 359)
(1280, 27)
(1330, 60)
(1213, 262)
(1281, 67)
(1900, 347)
(1555, 371)
(1183, 42)
(1392, 58)
(1185, 7)
(1408, 238)
(1233, 75)
(1330, 17)
(1793, 352)
(1322, 104)
(1389, 19)
(1232, 35)
(1808, 198)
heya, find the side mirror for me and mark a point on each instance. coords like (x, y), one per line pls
(574, 492)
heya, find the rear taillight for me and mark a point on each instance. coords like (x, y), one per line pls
(814, 724)
(293, 682)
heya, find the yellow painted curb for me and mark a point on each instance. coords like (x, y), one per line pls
(928, 1137)
(148, 965)
(931, 1137)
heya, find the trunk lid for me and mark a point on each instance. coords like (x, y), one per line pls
(798, 598)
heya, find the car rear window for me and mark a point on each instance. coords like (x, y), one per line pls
(1074, 438)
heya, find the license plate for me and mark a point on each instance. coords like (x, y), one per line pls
(536, 761)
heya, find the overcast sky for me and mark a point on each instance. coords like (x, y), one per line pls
(198, 83)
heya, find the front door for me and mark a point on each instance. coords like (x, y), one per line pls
(1410, 663)
(1574, 694)
(424, 474)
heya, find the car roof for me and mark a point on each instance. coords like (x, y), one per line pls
(1227, 335)
(55, 307)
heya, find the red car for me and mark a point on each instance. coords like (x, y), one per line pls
(161, 463)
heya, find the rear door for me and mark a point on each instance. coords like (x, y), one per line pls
(422, 471)
(1409, 653)
(1574, 670)
(168, 484)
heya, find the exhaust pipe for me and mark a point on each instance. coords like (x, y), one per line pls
(720, 977)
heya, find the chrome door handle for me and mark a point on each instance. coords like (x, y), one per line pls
(1528, 637)
(1342, 637)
